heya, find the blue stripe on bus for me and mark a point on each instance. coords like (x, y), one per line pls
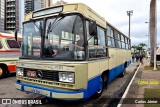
(93, 84)
(92, 87)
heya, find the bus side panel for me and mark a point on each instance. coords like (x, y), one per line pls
(128, 58)
(121, 59)
(112, 64)
(93, 78)
(119, 69)
(92, 86)
(111, 75)
(118, 61)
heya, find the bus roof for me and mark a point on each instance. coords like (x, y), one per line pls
(72, 8)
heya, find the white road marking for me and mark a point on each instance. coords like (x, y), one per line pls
(127, 89)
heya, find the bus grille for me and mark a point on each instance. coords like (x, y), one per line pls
(46, 74)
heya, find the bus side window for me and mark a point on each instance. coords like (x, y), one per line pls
(101, 50)
(13, 44)
(90, 39)
(95, 51)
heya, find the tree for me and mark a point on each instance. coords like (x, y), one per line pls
(142, 45)
(134, 48)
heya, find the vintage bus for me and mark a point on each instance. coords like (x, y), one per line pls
(77, 53)
(9, 53)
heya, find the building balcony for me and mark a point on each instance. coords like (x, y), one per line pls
(10, 11)
(13, 16)
(11, 5)
(11, 21)
(11, 0)
(10, 27)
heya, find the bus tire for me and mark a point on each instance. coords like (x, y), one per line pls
(100, 90)
(2, 72)
(123, 73)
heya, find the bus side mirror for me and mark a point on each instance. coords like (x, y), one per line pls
(93, 31)
(16, 35)
(92, 28)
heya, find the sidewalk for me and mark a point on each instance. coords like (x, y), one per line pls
(145, 79)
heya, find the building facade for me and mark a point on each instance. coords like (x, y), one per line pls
(21, 15)
(2, 15)
(32, 5)
(11, 15)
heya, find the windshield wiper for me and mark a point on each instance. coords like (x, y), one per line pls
(52, 25)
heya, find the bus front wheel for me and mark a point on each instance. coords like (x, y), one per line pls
(100, 88)
(2, 72)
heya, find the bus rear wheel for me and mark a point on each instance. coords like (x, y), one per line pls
(100, 88)
(2, 72)
(123, 73)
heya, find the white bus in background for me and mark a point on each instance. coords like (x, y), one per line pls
(158, 55)
(9, 53)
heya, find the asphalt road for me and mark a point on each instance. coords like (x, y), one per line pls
(115, 90)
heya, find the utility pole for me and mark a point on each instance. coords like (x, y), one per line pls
(129, 13)
(153, 32)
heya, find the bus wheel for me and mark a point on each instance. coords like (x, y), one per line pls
(2, 72)
(100, 88)
(123, 73)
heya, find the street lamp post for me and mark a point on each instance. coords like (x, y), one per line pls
(129, 13)
(148, 34)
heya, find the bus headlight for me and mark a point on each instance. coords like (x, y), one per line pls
(66, 77)
(19, 71)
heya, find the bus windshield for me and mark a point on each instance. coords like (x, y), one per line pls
(64, 38)
(31, 39)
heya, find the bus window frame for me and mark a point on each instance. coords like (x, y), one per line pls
(106, 42)
(29, 21)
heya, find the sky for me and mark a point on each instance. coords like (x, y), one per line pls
(115, 12)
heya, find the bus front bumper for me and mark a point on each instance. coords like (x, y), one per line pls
(51, 93)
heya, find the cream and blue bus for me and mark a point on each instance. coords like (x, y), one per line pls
(70, 52)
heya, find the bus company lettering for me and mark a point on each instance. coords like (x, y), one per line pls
(53, 67)
(146, 101)
(146, 82)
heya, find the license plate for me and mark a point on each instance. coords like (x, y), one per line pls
(37, 91)
(31, 74)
